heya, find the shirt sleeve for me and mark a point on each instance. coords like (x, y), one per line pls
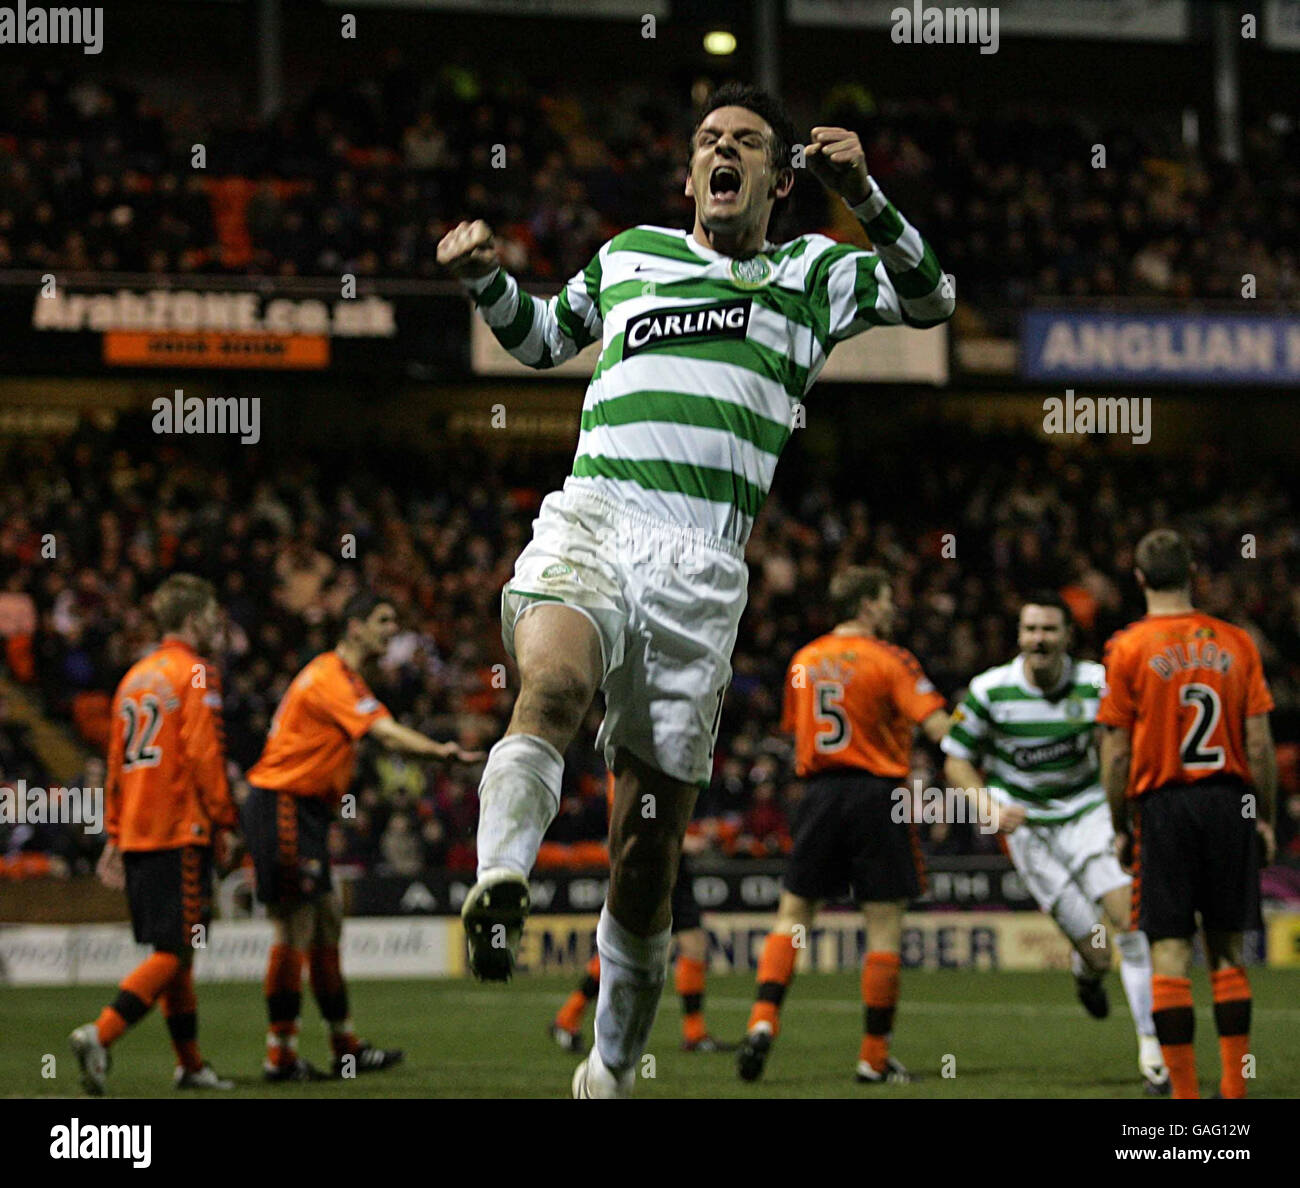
(968, 732)
(353, 708)
(912, 691)
(1259, 698)
(541, 333)
(1118, 705)
(203, 737)
(898, 282)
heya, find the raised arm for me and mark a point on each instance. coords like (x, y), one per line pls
(538, 333)
(900, 280)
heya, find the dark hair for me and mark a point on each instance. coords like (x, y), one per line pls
(850, 586)
(760, 102)
(360, 606)
(1164, 559)
(1045, 597)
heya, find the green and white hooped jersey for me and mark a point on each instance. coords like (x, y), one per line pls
(703, 357)
(1041, 751)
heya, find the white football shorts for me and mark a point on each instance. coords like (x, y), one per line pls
(1059, 861)
(666, 601)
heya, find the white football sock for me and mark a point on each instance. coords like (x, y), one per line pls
(518, 798)
(633, 970)
(1135, 973)
(1151, 1060)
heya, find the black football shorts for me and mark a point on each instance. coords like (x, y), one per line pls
(1195, 851)
(846, 841)
(169, 893)
(287, 839)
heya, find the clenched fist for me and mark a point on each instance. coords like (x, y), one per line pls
(835, 158)
(468, 250)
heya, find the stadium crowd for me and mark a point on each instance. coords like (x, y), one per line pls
(125, 511)
(365, 175)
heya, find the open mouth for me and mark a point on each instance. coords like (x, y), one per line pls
(724, 183)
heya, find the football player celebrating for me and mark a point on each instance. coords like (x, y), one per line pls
(635, 579)
(1024, 741)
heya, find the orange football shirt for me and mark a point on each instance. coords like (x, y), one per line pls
(312, 744)
(1184, 685)
(166, 783)
(855, 701)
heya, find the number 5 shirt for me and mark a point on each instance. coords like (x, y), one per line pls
(855, 701)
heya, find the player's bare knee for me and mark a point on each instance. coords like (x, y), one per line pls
(299, 924)
(793, 912)
(1171, 957)
(1117, 909)
(693, 944)
(329, 921)
(884, 922)
(553, 700)
(281, 925)
(1222, 949)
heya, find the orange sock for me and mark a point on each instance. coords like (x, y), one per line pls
(138, 991)
(689, 976)
(283, 990)
(1171, 1001)
(1232, 1003)
(180, 1007)
(775, 973)
(570, 1014)
(879, 1000)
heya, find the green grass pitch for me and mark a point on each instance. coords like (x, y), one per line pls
(1010, 1034)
